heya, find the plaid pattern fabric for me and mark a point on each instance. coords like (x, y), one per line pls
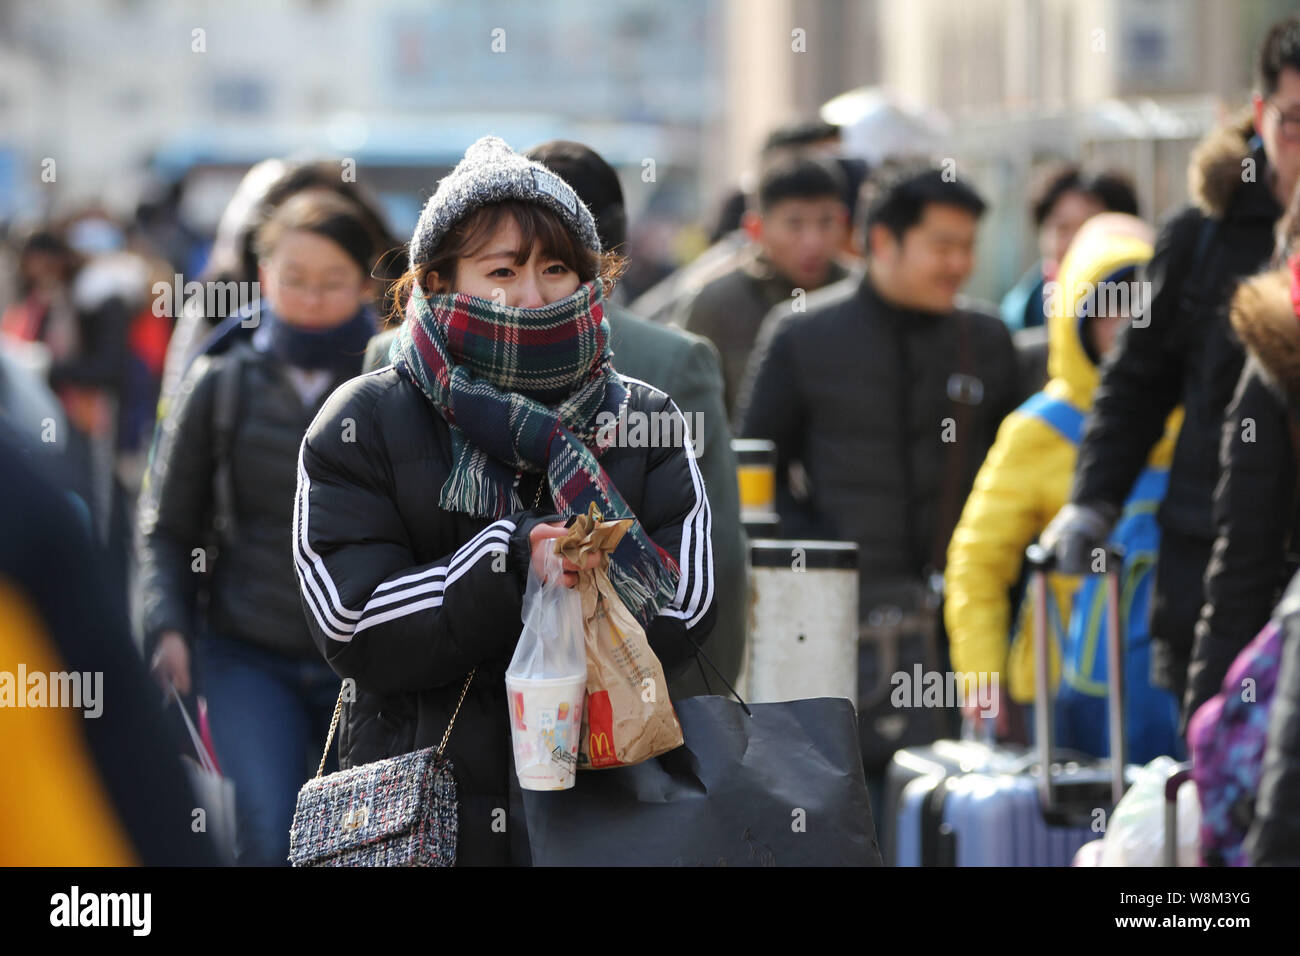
(523, 390)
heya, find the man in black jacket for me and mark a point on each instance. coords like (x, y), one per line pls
(1179, 349)
(888, 392)
(873, 370)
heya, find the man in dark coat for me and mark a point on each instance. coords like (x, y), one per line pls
(1179, 349)
(888, 392)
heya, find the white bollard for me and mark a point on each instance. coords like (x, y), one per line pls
(803, 634)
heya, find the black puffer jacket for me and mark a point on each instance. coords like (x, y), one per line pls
(1181, 350)
(251, 592)
(1255, 504)
(406, 598)
(858, 391)
(729, 310)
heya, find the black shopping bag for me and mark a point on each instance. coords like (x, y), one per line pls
(777, 784)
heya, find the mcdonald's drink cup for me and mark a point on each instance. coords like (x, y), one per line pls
(545, 722)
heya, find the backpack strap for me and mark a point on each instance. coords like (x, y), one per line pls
(1056, 412)
(1202, 280)
(224, 410)
(1203, 239)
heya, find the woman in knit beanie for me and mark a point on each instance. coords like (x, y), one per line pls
(426, 487)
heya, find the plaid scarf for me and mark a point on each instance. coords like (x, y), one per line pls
(521, 390)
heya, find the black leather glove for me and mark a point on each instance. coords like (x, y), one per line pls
(1076, 533)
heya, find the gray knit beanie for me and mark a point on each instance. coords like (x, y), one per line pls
(491, 172)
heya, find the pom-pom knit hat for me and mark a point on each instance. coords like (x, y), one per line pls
(491, 172)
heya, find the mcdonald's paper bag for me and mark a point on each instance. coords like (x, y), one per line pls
(629, 717)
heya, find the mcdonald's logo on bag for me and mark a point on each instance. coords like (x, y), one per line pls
(616, 636)
(600, 748)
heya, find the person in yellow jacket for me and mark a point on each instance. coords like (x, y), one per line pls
(90, 768)
(1025, 479)
(54, 810)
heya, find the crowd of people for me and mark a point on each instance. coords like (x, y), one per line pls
(350, 473)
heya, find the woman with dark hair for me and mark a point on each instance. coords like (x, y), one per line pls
(426, 488)
(234, 258)
(1062, 199)
(223, 473)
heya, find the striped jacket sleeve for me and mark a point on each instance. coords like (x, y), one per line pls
(675, 514)
(391, 624)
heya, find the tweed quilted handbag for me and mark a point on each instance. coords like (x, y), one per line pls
(396, 812)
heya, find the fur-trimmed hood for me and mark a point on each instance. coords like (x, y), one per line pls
(1266, 323)
(1214, 173)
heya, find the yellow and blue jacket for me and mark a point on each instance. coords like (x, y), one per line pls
(1024, 482)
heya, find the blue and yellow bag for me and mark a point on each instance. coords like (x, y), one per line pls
(1152, 712)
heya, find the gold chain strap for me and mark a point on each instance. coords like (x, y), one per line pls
(451, 723)
(338, 705)
(338, 709)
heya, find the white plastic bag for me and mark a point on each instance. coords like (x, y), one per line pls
(1089, 854)
(1135, 835)
(546, 682)
(553, 643)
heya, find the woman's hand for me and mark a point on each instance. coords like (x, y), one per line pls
(172, 662)
(539, 541)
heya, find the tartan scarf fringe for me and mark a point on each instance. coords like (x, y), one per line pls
(473, 490)
(641, 583)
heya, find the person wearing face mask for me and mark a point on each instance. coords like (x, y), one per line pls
(1024, 482)
(427, 488)
(887, 393)
(205, 323)
(223, 473)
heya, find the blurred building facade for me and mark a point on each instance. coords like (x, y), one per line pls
(1125, 83)
(99, 87)
(97, 95)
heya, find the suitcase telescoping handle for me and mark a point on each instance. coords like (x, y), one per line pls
(1040, 561)
(1177, 777)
